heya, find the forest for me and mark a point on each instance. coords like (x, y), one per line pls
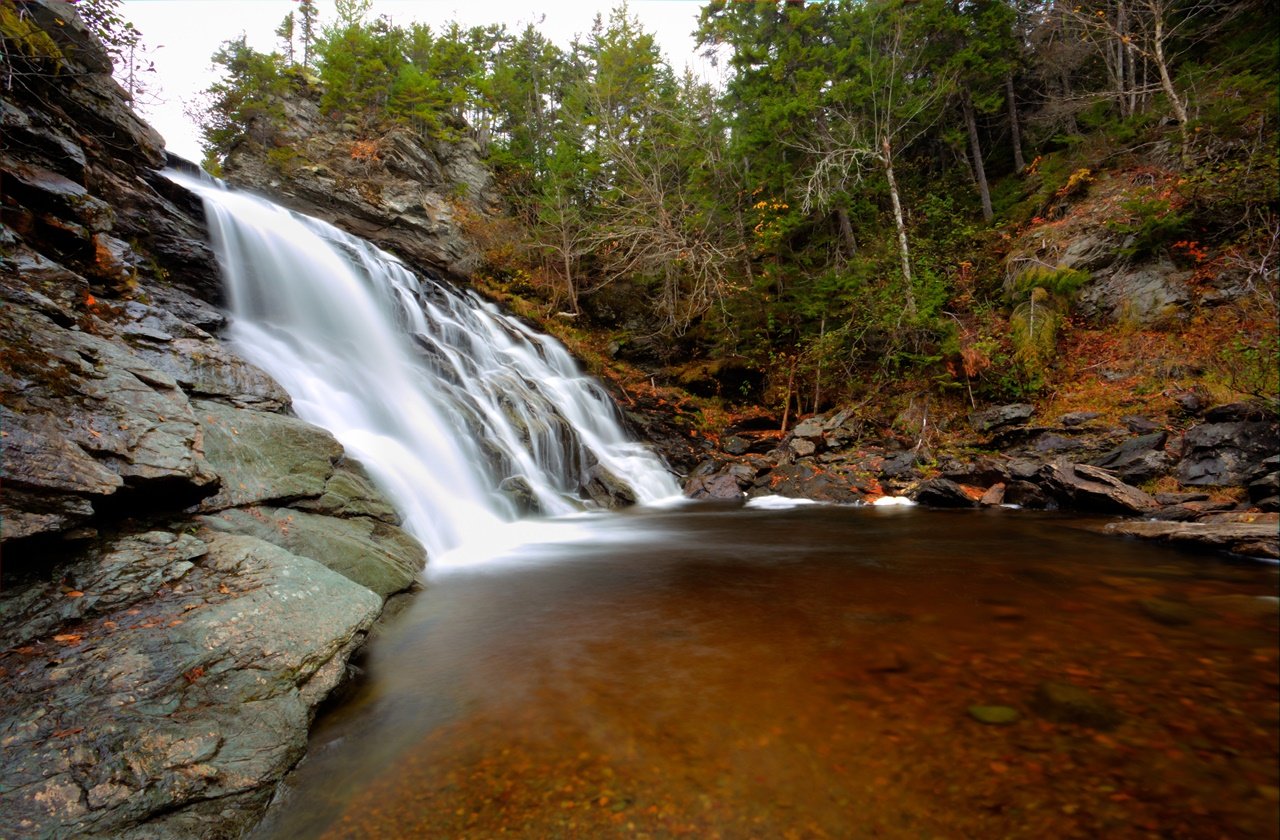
(843, 210)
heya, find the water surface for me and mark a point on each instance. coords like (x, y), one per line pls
(712, 672)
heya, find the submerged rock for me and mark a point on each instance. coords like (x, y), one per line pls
(1066, 703)
(994, 715)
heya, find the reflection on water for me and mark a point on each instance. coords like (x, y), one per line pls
(808, 673)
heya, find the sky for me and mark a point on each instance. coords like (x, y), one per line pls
(179, 36)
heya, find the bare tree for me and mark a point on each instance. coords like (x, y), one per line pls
(888, 108)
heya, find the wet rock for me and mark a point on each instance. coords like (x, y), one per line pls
(1225, 454)
(1090, 488)
(263, 457)
(515, 487)
(206, 368)
(378, 556)
(1002, 415)
(713, 487)
(1027, 495)
(942, 492)
(1189, 511)
(1066, 703)
(607, 490)
(1169, 613)
(1138, 459)
(736, 445)
(994, 496)
(39, 456)
(1248, 539)
(994, 715)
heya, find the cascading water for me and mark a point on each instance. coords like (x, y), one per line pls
(463, 416)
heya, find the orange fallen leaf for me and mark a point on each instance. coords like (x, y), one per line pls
(75, 593)
(67, 733)
(68, 638)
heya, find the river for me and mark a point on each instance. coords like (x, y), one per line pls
(717, 672)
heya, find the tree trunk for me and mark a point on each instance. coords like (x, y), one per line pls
(909, 297)
(1166, 82)
(846, 233)
(975, 144)
(1015, 131)
(1121, 75)
(1070, 122)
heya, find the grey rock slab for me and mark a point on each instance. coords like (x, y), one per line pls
(1148, 294)
(1001, 415)
(129, 570)
(206, 368)
(38, 455)
(197, 695)
(351, 492)
(263, 457)
(378, 556)
(1251, 539)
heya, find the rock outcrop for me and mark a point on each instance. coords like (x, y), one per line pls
(187, 566)
(413, 197)
(1073, 463)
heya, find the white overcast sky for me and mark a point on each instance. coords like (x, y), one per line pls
(181, 35)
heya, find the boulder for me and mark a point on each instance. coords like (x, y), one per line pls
(264, 457)
(1090, 488)
(1138, 459)
(1001, 415)
(1264, 484)
(1225, 454)
(983, 471)
(720, 486)
(1027, 495)
(607, 490)
(942, 492)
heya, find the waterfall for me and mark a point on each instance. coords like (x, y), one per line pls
(464, 417)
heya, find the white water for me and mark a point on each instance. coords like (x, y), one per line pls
(442, 397)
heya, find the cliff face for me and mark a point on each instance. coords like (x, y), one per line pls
(408, 195)
(173, 605)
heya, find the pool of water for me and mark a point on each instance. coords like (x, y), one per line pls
(712, 672)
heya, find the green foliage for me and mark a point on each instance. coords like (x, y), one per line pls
(22, 37)
(1250, 364)
(247, 102)
(1152, 224)
(1061, 283)
(760, 220)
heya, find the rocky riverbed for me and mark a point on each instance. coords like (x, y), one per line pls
(1223, 461)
